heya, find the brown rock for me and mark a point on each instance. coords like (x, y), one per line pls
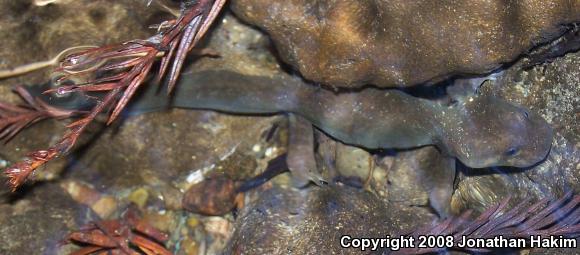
(403, 43)
(312, 221)
(211, 197)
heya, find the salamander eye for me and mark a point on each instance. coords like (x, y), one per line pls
(512, 151)
(453, 102)
(526, 114)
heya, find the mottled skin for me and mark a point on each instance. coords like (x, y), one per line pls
(479, 131)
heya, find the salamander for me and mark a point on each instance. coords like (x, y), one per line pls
(480, 131)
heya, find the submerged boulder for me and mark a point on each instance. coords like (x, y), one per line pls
(403, 43)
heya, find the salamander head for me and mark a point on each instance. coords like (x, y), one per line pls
(491, 132)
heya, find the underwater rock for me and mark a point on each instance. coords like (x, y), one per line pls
(37, 221)
(310, 221)
(102, 204)
(33, 33)
(419, 180)
(139, 197)
(214, 196)
(406, 42)
(422, 177)
(354, 162)
(219, 230)
(479, 189)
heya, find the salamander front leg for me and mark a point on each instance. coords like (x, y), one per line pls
(300, 159)
(441, 185)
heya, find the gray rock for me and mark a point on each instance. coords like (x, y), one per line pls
(312, 221)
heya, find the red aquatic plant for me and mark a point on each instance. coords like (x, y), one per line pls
(118, 71)
(14, 118)
(544, 218)
(127, 235)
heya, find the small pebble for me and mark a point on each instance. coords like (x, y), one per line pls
(103, 205)
(190, 247)
(139, 197)
(165, 222)
(192, 222)
(219, 227)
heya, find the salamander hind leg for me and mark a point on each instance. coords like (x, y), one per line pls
(300, 159)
